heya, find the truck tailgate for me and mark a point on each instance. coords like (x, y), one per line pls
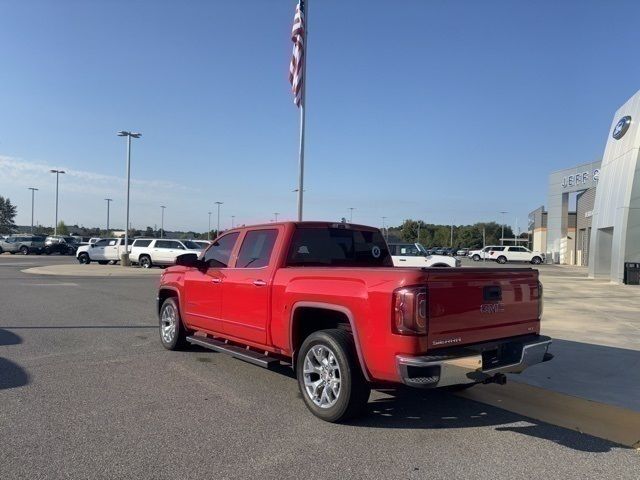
(470, 305)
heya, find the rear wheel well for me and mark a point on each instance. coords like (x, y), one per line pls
(307, 320)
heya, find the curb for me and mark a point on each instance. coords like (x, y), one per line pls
(616, 424)
(91, 271)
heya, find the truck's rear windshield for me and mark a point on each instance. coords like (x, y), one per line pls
(335, 246)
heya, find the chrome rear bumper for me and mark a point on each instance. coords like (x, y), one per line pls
(473, 364)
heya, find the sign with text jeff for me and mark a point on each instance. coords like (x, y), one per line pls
(584, 179)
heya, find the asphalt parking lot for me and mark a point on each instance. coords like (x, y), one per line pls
(87, 391)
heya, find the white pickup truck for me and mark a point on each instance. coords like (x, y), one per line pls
(148, 252)
(415, 255)
(103, 251)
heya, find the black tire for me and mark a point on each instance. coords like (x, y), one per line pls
(501, 259)
(354, 390)
(1, 251)
(84, 258)
(103, 262)
(178, 340)
(536, 260)
(440, 265)
(24, 250)
(476, 258)
(145, 261)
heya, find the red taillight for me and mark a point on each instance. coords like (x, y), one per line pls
(410, 311)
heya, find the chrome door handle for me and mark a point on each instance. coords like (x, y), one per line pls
(216, 280)
(259, 283)
(402, 259)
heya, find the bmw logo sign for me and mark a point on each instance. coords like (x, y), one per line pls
(621, 127)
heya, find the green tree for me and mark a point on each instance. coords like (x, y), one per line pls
(8, 213)
(62, 228)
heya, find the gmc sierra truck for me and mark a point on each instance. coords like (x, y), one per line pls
(326, 299)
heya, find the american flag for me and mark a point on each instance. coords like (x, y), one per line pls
(296, 68)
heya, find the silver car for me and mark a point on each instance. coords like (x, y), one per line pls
(24, 244)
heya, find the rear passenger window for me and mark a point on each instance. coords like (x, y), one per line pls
(102, 243)
(256, 249)
(142, 243)
(218, 254)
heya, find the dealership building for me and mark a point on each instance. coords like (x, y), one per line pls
(592, 216)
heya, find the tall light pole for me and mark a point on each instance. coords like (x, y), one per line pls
(218, 229)
(233, 221)
(276, 215)
(502, 237)
(57, 172)
(384, 229)
(162, 222)
(351, 209)
(108, 200)
(124, 257)
(33, 191)
(209, 230)
(451, 245)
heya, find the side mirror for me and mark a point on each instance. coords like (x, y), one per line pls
(189, 260)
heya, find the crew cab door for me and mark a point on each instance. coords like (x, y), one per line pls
(97, 250)
(247, 287)
(202, 297)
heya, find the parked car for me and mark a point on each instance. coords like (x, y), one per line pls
(160, 251)
(481, 253)
(415, 255)
(462, 252)
(323, 298)
(24, 244)
(203, 244)
(103, 251)
(515, 254)
(64, 245)
(439, 250)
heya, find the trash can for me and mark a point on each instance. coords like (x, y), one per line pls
(632, 273)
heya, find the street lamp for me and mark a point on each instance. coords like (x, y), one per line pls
(502, 237)
(124, 257)
(233, 221)
(209, 230)
(351, 214)
(108, 200)
(218, 229)
(162, 222)
(57, 172)
(276, 215)
(33, 191)
(384, 230)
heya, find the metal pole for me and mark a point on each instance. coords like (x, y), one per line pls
(209, 230)
(108, 200)
(33, 191)
(55, 228)
(218, 229)
(233, 221)
(162, 222)
(385, 231)
(502, 238)
(125, 261)
(303, 108)
(351, 214)
(451, 235)
(276, 215)
(418, 232)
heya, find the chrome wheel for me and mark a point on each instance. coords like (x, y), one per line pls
(168, 323)
(322, 376)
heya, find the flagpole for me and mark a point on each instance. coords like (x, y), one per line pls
(303, 108)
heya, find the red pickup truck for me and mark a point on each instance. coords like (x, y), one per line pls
(326, 298)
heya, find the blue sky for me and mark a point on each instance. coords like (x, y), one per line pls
(444, 111)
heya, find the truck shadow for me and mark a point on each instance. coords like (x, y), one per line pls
(415, 409)
(12, 375)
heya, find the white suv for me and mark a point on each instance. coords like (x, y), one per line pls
(515, 254)
(148, 252)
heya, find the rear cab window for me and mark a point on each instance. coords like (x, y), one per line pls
(338, 246)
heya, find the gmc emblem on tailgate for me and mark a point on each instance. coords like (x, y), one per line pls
(492, 307)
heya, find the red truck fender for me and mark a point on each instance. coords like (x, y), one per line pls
(336, 308)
